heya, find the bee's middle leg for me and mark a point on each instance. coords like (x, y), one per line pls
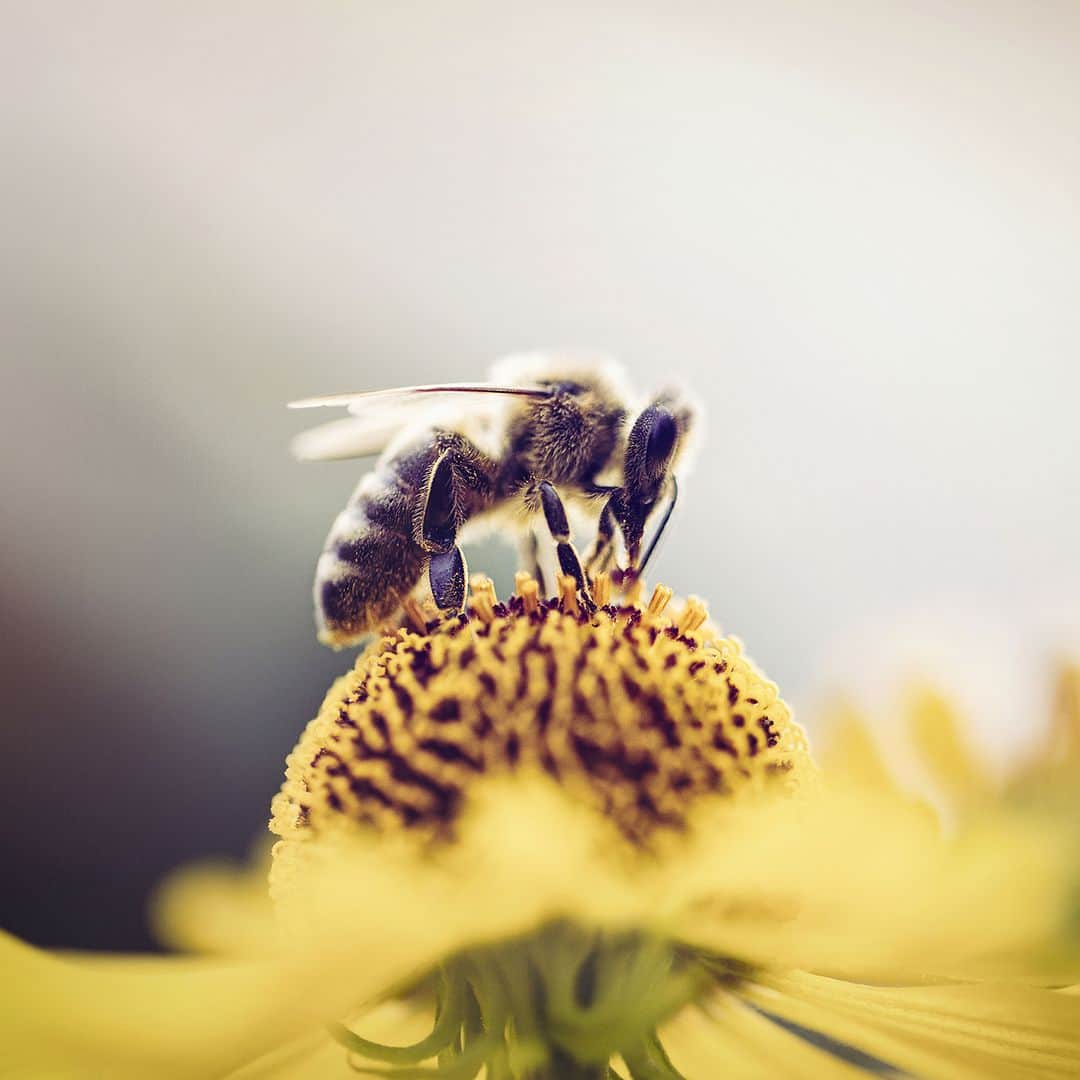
(555, 515)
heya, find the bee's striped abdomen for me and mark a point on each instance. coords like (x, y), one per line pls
(370, 561)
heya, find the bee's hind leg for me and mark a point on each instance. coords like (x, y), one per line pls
(438, 527)
(569, 562)
(448, 574)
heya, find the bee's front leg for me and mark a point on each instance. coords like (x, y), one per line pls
(569, 562)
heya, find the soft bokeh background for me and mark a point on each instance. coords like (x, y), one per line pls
(853, 228)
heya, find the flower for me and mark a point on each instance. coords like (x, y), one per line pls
(541, 840)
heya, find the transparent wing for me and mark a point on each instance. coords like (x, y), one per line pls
(378, 416)
(402, 395)
(346, 438)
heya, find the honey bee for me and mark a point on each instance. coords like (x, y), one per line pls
(546, 431)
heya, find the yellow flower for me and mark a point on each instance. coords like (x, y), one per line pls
(544, 841)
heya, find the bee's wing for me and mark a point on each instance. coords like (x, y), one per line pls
(346, 438)
(378, 415)
(404, 396)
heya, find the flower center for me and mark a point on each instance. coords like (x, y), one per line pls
(633, 711)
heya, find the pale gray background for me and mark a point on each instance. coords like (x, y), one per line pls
(853, 228)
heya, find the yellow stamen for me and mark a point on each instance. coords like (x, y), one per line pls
(659, 600)
(528, 589)
(693, 616)
(568, 594)
(483, 597)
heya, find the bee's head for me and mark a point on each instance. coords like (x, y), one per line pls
(652, 449)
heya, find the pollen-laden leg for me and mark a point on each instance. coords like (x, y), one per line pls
(450, 487)
(569, 562)
(448, 573)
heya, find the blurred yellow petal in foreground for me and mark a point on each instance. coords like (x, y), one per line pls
(547, 842)
(135, 1017)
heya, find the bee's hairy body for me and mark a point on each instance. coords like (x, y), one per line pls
(405, 517)
(568, 440)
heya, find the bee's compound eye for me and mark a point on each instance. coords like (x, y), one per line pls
(661, 441)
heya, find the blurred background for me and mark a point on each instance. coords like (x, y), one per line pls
(851, 227)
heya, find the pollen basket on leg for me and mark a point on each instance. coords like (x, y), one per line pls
(635, 711)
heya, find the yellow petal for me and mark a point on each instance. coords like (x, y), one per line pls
(726, 1037)
(851, 882)
(216, 907)
(848, 750)
(319, 1057)
(526, 855)
(1052, 775)
(946, 751)
(135, 1017)
(172, 1016)
(841, 882)
(957, 1032)
(1065, 726)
